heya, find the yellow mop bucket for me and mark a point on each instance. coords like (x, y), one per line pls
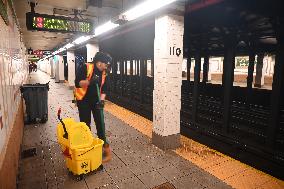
(82, 152)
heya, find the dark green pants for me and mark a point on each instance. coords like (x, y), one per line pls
(85, 111)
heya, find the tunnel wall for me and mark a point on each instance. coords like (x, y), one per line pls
(13, 73)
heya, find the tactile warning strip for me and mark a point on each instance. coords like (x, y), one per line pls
(229, 170)
(134, 120)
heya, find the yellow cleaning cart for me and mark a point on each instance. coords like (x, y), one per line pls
(82, 152)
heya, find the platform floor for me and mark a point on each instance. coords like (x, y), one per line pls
(136, 162)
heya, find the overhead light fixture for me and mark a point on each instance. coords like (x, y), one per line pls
(145, 8)
(68, 46)
(138, 11)
(105, 28)
(120, 19)
(62, 49)
(82, 39)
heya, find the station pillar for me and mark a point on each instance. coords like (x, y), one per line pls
(71, 68)
(168, 58)
(59, 68)
(52, 73)
(92, 49)
(56, 68)
(48, 67)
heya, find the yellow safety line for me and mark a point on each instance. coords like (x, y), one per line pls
(200, 155)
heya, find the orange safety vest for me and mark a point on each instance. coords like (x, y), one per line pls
(81, 92)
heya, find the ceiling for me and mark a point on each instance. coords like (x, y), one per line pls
(251, 25)
(49, 40)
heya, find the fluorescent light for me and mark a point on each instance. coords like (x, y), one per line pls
(132, 14)
(82, 39)
(104, 28)
(61, 49)
(68, 46)
(145, 8)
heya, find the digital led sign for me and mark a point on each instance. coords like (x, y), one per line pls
(51, 23)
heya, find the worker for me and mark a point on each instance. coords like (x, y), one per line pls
(87, 76)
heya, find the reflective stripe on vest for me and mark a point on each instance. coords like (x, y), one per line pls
(81, 92)
(103, 80)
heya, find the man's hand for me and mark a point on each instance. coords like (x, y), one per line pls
(94, 80)
(100, 105)
(84, 83)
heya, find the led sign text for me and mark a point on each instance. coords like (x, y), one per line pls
(52, 23)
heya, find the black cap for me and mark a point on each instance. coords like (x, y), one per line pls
(102, 57)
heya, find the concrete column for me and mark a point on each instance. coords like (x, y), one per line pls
(259, 77)
(168, 60)
(56, 68)
(209, 71)
(92, 49)
(48, 66)
(52, 74)
(71, 68)
(43, 66)
(61, 69)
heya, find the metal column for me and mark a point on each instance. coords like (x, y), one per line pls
(196, 87)
(228, 79)
(205, 69)
(250, 76)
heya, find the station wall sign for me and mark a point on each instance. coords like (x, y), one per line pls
(39, 52)
(51, 23)
(46, 52)
(175, 51)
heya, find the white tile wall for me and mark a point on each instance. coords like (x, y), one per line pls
(52, 72)
(167, 75)
(61, 68)
(71, 68)
(13, 73)
(92, 49)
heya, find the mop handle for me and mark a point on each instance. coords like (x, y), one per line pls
(63, 124)
(101, 111)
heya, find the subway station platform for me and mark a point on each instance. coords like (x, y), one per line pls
(136, 162)
(194, 92)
